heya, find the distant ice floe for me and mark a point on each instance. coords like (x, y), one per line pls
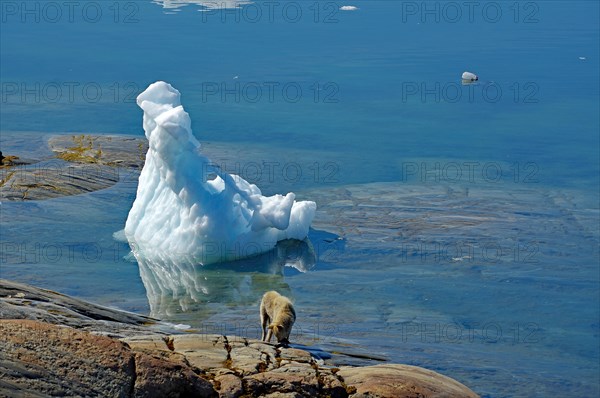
(348, 8)
(187, 210)
(205, 5)
(469, 77)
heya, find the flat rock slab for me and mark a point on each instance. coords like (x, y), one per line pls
(21, 301)
(401, 381)
(82, 163)
(207, 352)
(47, 180)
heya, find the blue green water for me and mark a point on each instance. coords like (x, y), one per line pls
(345, 97)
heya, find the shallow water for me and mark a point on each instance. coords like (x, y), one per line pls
(459, 235)
(484, 284)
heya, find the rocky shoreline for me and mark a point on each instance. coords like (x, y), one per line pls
(55, 345)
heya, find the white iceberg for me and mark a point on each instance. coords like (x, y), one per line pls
(188, 210)
(469, 77)
(348, 8)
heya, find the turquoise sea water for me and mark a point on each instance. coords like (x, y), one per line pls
(368, 107)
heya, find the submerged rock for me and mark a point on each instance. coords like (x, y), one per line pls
(47, 180)
(109, 150)
(82, 164)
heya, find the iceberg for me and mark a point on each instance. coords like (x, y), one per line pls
(187, 210)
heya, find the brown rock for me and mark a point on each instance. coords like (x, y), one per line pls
(263, 347)
(164, 374)
(247, 361)
(203, 351)
(147, 342)
(401, 381)
(249, 357)
(295, 377)
(331, 385)
(191, 342)
(295, 355)
(51, 360)
(41, 359)
(230, 386)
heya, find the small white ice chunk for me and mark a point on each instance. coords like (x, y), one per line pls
(348, 8)
(120, 236)
(181, 215)
(470, 77)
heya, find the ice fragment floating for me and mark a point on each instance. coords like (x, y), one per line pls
(469, 77)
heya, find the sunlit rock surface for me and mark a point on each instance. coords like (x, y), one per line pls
(77, 355)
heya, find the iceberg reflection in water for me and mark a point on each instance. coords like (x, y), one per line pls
(175, 288)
